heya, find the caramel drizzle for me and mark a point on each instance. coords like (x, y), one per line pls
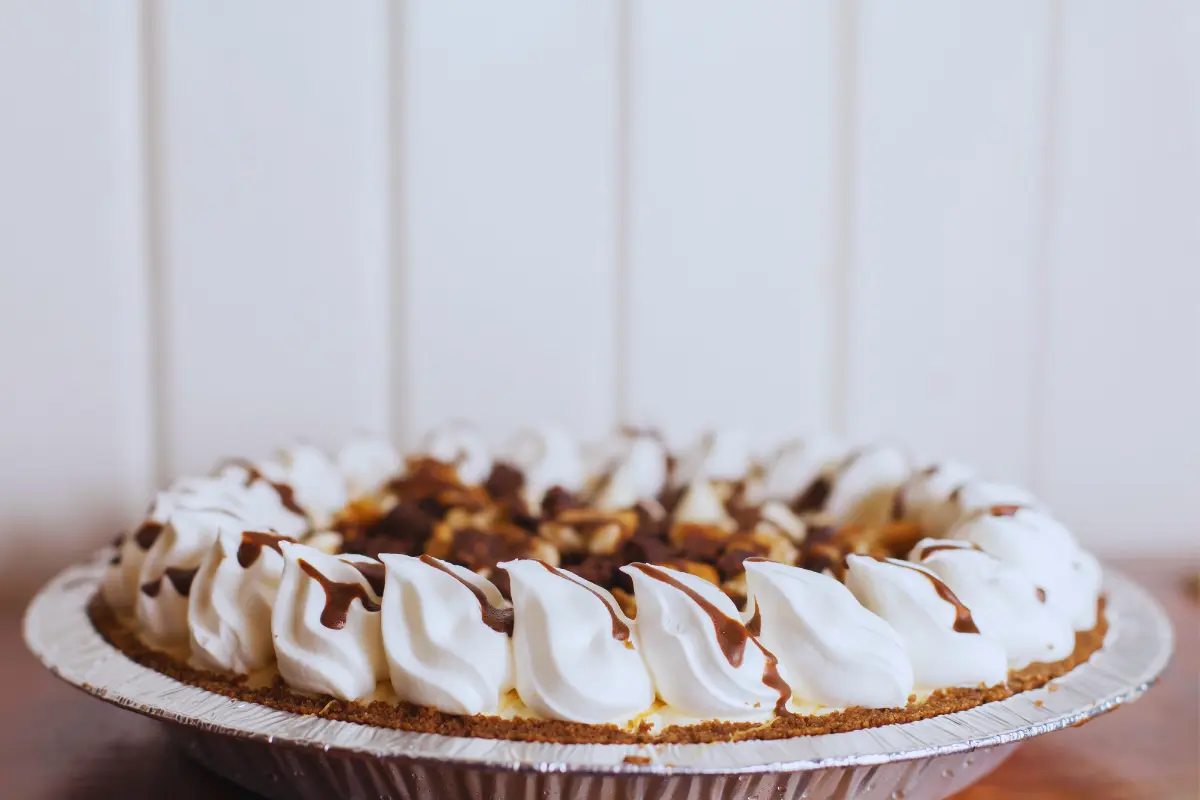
(620, 630)
(732, 636)
(338, 597)
(1041, 595)
(963, 623)
(287, 495)
(180, 577)
(253, 543)
(498, 619)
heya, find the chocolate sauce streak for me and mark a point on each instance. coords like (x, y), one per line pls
(375, 574)
(181, 578)
(929, 550)
(963, 623)
(338, 597)
(287, 495)
(498, 619)
(620, 630)
(147, 534)
(755, 623)
(253, 543)
(732, 636)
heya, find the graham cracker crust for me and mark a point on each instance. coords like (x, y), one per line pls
(421, 719)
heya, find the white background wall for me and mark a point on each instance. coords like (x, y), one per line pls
(974, 227)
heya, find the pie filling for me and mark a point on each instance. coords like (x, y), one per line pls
(547, 593)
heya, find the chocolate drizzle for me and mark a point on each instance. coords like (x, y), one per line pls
(732, 635)
(287, 495)
(620, 630)
(963, 623)
(338, 597)
(754, 626)
(498, 619)
(180, 577)
(929, 550)
(253, 543)
(1041, 595)
(374, 572)
(147, 534)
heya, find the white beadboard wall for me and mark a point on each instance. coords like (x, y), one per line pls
(971, 228)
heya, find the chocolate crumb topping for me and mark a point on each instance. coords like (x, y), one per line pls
(814, 497)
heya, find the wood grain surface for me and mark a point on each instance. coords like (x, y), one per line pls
(55, 742)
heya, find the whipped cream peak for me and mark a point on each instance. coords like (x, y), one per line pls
(635, 466)
(776, 515)
(366, 463)
(863, 488)
(461, 444)
(319, 486)
(926, 497)
(445, 635)
(229, 612)
(169, 569)
(574, 650)
(326, 624)
(703, 659)
(836, 652)
(1004, 602)
(1044, 550)
(797, 464)
(718, 456)
(547, 457)
(701, 505)
(938, 631)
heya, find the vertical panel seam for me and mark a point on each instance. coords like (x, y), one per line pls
(622, 200)
(845, 82)
(1042, 283)
(399, 345)
(153, 199)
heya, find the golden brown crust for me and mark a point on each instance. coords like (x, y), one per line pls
(420, 719)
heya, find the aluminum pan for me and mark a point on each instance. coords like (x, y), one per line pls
(1137, 649)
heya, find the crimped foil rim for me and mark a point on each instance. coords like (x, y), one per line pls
(1135, 652)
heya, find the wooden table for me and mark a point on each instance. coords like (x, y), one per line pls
(58, 743)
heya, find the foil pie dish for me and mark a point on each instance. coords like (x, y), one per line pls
(285, 755)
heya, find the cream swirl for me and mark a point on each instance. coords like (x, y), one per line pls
(547, 457)
(704, 661)
(718, 456)
(326, 624)
(864, 486)
(318, 484)
(229, 612)
(168, 571)
(445, 636)
(941, 639)
(797, 464)
(366, 464)
(574, 651)
(461, 444)
(836, 652)
(635, 469)
(926, 497)
(1004, 602)
(1042, 548)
